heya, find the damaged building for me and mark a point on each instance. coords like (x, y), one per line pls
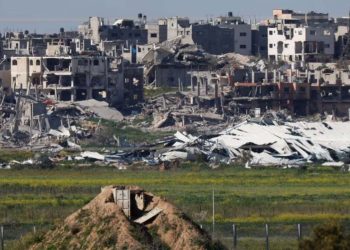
(70, 78)
(126, 30)
(223, 35)
(301, 44)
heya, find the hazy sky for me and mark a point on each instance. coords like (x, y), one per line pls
(49, 15)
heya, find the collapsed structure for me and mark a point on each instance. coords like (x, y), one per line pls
(52, 82)
(41, 124)
(267, 143)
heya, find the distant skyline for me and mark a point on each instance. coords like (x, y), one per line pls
(49, 16)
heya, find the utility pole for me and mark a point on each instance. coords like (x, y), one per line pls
(213, 213)
(234, 232)
(2, 238)
(300, 232)
(267, 237)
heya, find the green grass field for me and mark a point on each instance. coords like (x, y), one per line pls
(248, 198)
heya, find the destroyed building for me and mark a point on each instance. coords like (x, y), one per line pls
(70, 78)
(125, 30)
(170, 63)
(157, 32)
(26, 43)
(267, 142)
(318, 89)
(226, 34)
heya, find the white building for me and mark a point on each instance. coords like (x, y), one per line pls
(301, 44)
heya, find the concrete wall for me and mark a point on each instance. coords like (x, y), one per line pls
(157, 33)
(213, 39)
(259, 41)
(177, 26)
(169, 76)
(141, 51)
(5, 78)
(243, 39)
(19, 72)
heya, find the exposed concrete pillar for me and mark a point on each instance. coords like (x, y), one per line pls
(253, 76)
(73, 95)
(206, 85)
(274, 76)
(279, 76)
(199, 82)
(217, 96)
(192, 87)
(89, 93)
(266, 76)
(202, 84)
(56, 93)
(155, 77)
(222, 102)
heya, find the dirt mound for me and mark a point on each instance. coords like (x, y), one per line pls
(127, 218)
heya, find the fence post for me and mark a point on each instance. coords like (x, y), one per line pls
(234, 232)
(213, 214)
(267, 237)
(300, 232)
(2, 238)
(34, 229)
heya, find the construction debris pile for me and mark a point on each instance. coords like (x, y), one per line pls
(267, 143)
(177, 110)
(40, 124)
(128, 218)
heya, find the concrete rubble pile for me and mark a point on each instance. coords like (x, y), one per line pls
(268, 144)
(175, 109)
(40, 124)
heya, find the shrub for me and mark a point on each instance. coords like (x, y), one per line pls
(328, 236)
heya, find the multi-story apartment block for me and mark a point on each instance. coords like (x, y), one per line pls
(302, 44)
(69, 78)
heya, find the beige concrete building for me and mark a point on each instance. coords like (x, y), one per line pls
(70, 78)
